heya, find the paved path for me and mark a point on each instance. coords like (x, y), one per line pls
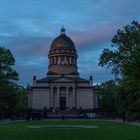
(9, 121)
(121, 121)
(115, 120)
(63, 126)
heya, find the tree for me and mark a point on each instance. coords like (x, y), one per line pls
(8, 97)
(21, 106)
(6, 62)
(124, 59)
(8, 76)
(107, 97)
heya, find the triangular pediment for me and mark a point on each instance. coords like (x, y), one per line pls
(63, 79)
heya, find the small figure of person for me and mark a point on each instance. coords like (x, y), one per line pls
(45, 113)
(123, 119)
(63, 117)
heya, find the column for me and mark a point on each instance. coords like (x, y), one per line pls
(58, 98)
(70, 60)
(74, 61)
(51, 60)
(67, 97)
(65, 59)
(51, 97)
(54, 60)
(74, 98)
(59, 60)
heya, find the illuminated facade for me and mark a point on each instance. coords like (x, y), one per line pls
(62, 88)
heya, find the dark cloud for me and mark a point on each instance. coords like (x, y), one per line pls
(31, 52)
(26, 72)
(29, 27)
(95, 37)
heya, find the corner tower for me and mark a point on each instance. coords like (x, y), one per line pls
(62, 56)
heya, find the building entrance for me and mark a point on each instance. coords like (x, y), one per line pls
(62, 103)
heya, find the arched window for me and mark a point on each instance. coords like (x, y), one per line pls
(62, 60)
(51, 60)
(56, 60)
(72, 60)
(67, 60)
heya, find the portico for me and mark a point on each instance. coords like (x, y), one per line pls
(62, 98)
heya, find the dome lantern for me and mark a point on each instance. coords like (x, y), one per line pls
(62, 30)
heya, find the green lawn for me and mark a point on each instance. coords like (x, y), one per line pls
(106, 131)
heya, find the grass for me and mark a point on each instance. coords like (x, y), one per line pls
(106, 131)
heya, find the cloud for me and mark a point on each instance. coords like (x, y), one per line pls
(29, 27)
(31, 51)
(28, 46)
(39, 44)
(100, 74)
(26, 73)
(98, 34)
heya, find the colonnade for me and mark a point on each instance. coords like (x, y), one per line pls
(56, 60)
(62, 92)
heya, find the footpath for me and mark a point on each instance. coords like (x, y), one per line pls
(126, 122)
(4, 121)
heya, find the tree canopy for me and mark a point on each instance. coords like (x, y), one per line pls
(125, 55)
(124, 58)
(6, 62)
(107, 97)
(11, 95)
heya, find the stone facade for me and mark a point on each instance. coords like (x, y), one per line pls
(62, 88)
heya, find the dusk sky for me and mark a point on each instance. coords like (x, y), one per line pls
(27, 28)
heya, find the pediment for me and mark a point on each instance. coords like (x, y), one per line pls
(63, 79)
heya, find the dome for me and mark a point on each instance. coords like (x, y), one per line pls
(62, 55)
(62, 41)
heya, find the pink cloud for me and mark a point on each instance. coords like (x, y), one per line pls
(30, 46)
(101, 33)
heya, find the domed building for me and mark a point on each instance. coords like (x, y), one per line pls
(63, 55)
(62, 88)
